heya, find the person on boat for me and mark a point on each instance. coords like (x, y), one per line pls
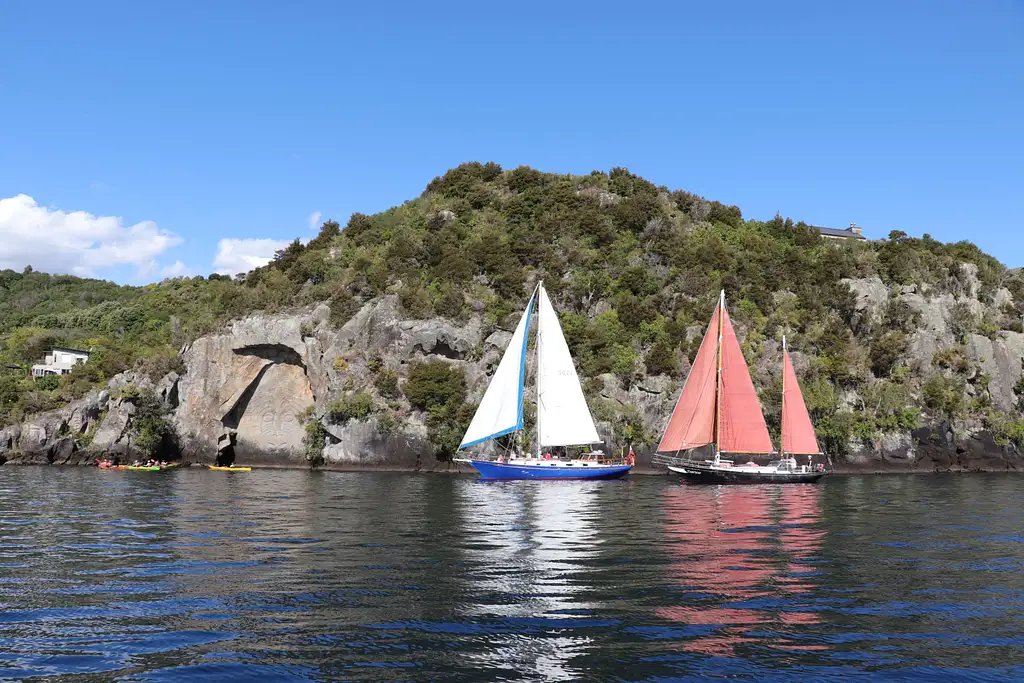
(547, 456)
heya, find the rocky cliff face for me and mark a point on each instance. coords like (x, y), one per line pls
(55, 437)
(251, 384)
(256, 379)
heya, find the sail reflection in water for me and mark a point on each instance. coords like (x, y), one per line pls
(723, 545)
(525, 544)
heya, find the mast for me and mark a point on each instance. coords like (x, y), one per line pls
(718, 375)
(782, 420)
(540, 288)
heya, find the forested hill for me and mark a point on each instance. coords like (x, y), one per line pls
(886, 332)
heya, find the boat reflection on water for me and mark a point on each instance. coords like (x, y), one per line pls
(526, 543)
(738, 555)
(802, 537)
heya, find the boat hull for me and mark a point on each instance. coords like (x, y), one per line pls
(216, 468)
(707, 475)
(495, 470)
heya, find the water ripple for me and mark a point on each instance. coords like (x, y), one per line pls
(180, 576)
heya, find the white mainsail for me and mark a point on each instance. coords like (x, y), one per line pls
(563, 417)
(501, 409)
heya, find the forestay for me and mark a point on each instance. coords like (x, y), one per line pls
(501, 410)
(563, 415)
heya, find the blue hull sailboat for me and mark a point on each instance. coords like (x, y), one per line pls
(563, 417)
(556, 470)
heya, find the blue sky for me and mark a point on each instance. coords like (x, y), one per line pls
(196, 122)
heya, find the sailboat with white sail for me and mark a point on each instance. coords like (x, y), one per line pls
(719, 407)
(563, 417)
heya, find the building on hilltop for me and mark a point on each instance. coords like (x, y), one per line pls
(60, 362)
(851, 233)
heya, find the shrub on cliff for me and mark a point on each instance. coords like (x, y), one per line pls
(661, 360)
(886, 351)
(357, 406)
(386, 383)
(440, 389)
(944, 395)
(150, 427)
(47, 382)
(159, 362)
(435, 383)
(314, 438)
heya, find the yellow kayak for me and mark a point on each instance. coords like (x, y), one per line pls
(230, 469)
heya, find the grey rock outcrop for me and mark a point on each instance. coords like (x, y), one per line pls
(253, 379)
(113, 437)
(1001, 359)
(264, 373)
(54, 437)
(362, 445)
(871, 293)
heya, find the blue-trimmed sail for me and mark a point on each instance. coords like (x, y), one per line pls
(501, 409)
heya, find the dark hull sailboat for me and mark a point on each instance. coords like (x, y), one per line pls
(694, 473)
(719, 406)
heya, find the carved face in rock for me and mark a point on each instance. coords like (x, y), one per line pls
(36, 435)
(278, 425)
(270, 420)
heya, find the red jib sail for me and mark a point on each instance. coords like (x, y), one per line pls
(797, 432)
(741, 427)
(693, 421)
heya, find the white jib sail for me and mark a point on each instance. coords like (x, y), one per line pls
(563, 414)
(501, 409)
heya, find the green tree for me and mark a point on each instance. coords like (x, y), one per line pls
(435, 383)
(150, 425)
(943, 395)
(886, 351)
(440, 389)
(661, 360)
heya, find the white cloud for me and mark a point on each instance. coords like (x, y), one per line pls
(241, 256)
(77, 242)
(178, 269)
(314, 220)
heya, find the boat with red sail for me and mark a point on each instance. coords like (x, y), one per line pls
(719, 407)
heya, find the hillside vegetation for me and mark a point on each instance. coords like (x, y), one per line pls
(634, 269)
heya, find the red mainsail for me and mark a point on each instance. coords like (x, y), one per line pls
(741, 428)
(693, 421)
(797, 430)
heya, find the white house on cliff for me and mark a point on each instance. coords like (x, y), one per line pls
(60, 362)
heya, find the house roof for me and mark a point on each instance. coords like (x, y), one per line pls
(834, 232)
(68, 350)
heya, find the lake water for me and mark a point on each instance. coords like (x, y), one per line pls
(194, 575)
